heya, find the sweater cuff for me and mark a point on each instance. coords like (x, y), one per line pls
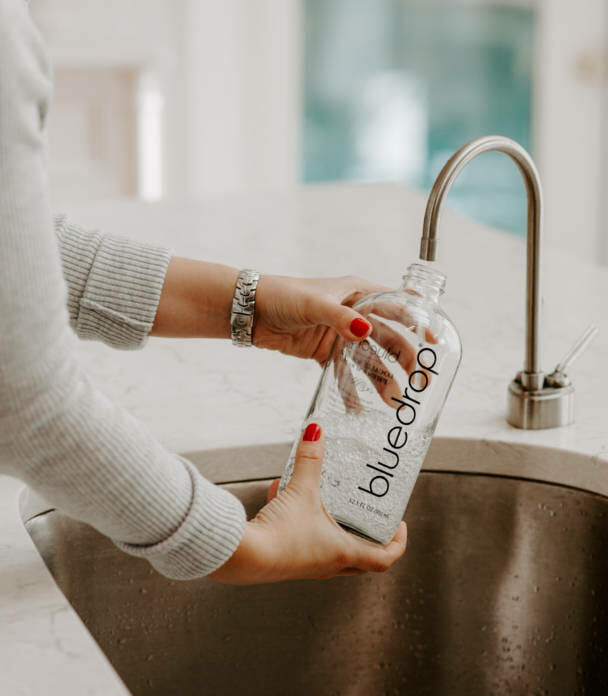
(114, 284)
(206, 538)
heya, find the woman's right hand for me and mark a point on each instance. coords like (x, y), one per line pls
(293, 536)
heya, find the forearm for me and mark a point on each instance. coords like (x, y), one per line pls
(120, 291)
(196, 299)
(96, 463)
(114, 283)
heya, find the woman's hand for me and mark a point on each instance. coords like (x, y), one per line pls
(297, 316)
(302, 316)
(294, 537)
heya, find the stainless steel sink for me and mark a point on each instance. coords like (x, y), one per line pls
(503, 590)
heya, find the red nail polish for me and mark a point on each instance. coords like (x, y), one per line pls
(359, 327)
(312, 433)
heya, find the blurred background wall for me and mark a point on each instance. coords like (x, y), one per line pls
(157, 98)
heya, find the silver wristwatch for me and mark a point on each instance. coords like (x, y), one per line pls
(243, 308)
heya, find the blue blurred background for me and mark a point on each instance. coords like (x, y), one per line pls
(392, 88)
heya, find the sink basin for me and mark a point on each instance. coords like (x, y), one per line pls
(503, 590)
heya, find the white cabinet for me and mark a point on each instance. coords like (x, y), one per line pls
(119, 118)
(93, 132)
(570, 124)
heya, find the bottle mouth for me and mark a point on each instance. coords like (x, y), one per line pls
(426, 274)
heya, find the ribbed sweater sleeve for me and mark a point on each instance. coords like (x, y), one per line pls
(58, 432)
(114, 284)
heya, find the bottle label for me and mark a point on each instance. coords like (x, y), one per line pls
(383, 470)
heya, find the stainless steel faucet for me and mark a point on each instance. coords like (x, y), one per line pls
(535, 400)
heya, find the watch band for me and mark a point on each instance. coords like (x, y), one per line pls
(243, 308)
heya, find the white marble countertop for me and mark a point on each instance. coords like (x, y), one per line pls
(198, 395)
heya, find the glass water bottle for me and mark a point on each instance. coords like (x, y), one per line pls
(379, 401)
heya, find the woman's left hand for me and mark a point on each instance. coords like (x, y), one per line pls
(302, 316)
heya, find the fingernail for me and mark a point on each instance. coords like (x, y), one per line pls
(359, 327)
(312, 433)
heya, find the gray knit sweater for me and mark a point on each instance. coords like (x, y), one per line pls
(58, 433)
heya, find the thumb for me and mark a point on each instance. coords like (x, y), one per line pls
(309, 458)
(345, 320)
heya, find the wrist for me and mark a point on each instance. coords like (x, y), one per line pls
(243, 308)
(252, 561)
(196, 300)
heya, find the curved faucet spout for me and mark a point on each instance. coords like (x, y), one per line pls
(532, 377)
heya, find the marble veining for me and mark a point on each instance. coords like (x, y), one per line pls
(200, 395)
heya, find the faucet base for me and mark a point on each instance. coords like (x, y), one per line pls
(550, 407)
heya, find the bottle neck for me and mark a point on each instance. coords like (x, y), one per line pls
(424, 280)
